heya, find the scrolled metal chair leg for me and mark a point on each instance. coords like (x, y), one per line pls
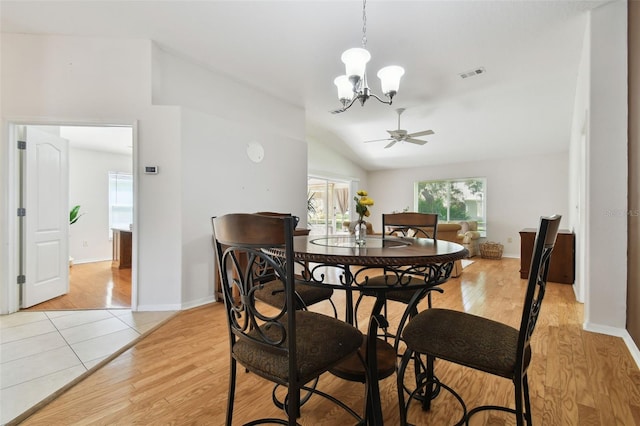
(428, 385)
(401, 387)
(283, 404)
(232, 391)
(527, 402)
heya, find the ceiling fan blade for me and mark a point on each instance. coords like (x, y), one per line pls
(390, 144)
(416, 141)
(378, 140)
(423, 133)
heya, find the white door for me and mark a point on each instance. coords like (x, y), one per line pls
(46, 222)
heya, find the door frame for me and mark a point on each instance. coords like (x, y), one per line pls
(9, 289)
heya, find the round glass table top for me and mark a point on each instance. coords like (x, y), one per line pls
(350, 242)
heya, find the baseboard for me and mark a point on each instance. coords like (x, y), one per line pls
(80, 262)
(633, 348)
(181, 307)
(147, 308)
(511, 255)
(199, 302)
(617, 332)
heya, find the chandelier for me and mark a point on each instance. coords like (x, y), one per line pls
(353, 85)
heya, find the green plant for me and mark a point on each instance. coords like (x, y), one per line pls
(74, 215)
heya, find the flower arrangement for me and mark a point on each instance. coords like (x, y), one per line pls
(362, 204)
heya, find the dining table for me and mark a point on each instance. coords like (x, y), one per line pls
(399, 257)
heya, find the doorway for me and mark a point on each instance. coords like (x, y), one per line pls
(95, 154)
(328, 203)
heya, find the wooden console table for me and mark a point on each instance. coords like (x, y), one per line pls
(121, 256)
(561, 265)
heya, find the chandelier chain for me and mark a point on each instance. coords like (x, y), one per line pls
(353, 85)
(364, 24)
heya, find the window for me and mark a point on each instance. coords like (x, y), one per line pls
(453, 199)
(120, 201)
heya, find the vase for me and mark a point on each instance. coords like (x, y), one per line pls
(360, 232)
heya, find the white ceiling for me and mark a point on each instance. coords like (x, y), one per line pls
(522, 105)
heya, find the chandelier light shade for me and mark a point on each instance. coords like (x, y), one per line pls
(345, 88)
(352, 86)
(355, 63)
(390, 79)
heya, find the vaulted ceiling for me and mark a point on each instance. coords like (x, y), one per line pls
(521, 105)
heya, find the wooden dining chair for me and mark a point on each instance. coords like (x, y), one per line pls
(307, 295)
(478, 342)
(279, 214)
(406, 224)
(287, 346)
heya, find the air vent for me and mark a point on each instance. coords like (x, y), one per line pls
(473, 72)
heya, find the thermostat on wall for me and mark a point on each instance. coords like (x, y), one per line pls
(151, 170)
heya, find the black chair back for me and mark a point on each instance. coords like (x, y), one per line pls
(422, 225)
(241, 241)
(287, 347)
(480, 343)
(537, 284)
(278, 214)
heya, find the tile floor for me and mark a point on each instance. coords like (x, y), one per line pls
(40, 352)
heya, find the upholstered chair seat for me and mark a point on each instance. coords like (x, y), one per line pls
(281, 342)
(273, 294)
(313, 333)
(306, 295)
(478, 343)
(406, 224)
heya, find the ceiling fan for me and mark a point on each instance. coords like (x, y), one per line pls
(401, 135)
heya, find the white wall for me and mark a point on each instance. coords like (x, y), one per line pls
(57, 80)
(89, 187)
(218, 119)
(325, 162)
(578, 167)
(519, 191)
(179, 82)
(605, 304)
(219, 178)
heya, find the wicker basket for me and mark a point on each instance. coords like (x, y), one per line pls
(491, 250)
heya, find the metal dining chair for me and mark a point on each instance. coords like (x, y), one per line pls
(307, 295)
(287, 346)
(478, 342)
(406, 224)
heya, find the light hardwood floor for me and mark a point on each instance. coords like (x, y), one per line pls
(93, 285)
(179, 373)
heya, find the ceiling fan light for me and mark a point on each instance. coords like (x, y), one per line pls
(345, 88)
(355, 61)
(390, 79)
